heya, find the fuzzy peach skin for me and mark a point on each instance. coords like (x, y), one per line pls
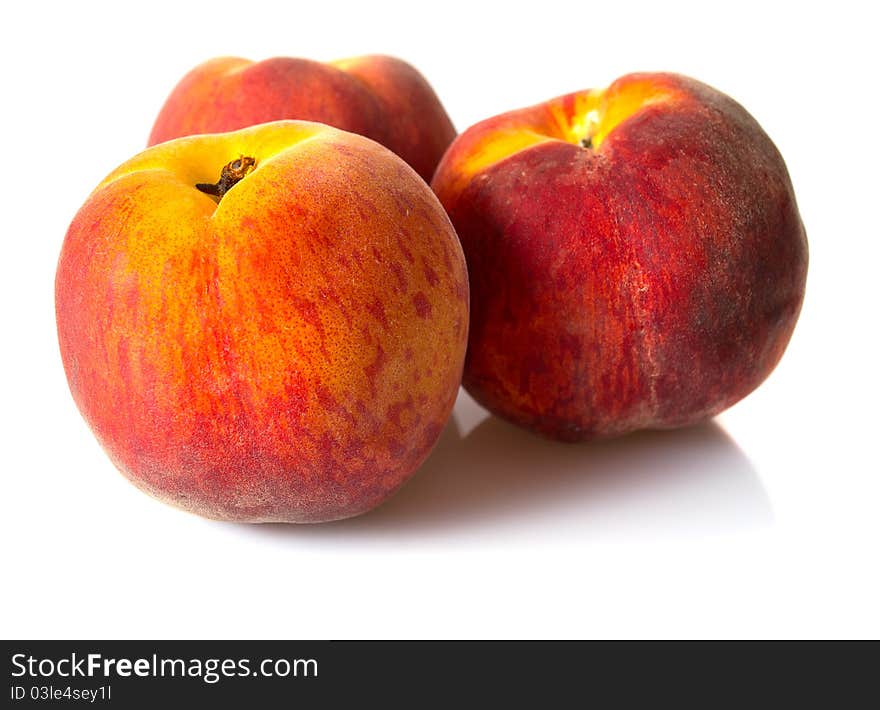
(290, 353)
(380, 97)
(636, 257)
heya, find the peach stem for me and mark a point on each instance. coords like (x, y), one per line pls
(229, 176)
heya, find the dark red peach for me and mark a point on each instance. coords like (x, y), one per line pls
(636, 257)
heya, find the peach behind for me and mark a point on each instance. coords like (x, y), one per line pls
(380, 97)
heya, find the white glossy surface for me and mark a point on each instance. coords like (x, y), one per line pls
(764, 522)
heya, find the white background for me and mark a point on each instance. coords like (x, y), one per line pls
(763, 523)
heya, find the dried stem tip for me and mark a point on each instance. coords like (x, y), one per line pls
(231, 174)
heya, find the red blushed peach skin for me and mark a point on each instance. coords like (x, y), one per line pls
(376, 96)
(290, 353)
(636, 257)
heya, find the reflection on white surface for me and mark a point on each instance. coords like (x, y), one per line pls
(487, 476)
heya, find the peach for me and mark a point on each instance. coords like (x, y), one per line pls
(380, 97)
(282, 344)
(636, 257)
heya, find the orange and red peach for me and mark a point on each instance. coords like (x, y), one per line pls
(282, 344)
(636, 256)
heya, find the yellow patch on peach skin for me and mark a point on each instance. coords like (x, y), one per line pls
(194, 159)
(582, 116)
(498, 145)
(622, 100)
